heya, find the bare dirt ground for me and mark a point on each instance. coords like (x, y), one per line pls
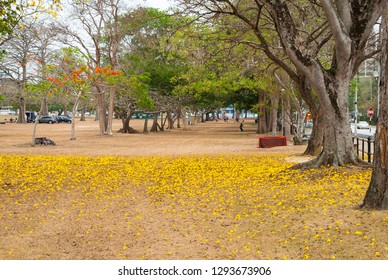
(203, 138)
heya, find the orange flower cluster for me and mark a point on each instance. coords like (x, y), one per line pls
(107, 71)
(56, 81)
(76, 75)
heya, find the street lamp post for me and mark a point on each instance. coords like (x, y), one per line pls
(355, 108)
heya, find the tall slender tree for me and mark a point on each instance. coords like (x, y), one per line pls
(20, 55)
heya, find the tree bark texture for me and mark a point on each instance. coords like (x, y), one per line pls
(145, 128)
(44, 106)
(22, 110)
(126, 120)
(101, 112)
(377, 194)
(337, 139)
(350, 26)
(155, 124)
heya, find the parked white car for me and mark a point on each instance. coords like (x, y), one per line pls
(363, 125)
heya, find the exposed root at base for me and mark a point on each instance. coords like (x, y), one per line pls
(130, 130)
(330, 160)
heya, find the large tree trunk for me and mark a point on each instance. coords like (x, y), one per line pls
(377, 194)
(332, 91)
(337, 139)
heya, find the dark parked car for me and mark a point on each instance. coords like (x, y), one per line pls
(47, 119)
(63, 119)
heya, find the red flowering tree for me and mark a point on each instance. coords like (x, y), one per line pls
(73, 79)
(70, 78)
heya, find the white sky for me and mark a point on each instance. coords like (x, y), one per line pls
(161, 4)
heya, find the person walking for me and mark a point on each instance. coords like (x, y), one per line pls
(242, 126)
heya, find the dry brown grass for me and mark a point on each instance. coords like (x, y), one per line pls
(203, 138)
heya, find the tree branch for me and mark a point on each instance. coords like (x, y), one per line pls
(340, 37)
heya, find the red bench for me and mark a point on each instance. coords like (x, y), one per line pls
(272, 141)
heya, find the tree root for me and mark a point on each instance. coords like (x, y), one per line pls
(325, 159)
(131, 130)
(44, 141)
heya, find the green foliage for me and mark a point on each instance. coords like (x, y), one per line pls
(367, 92)
(218, 71)
(9, 16)
(148, 31)
(139, 88)
(38, 89)
(135, 87)
(58, 107)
